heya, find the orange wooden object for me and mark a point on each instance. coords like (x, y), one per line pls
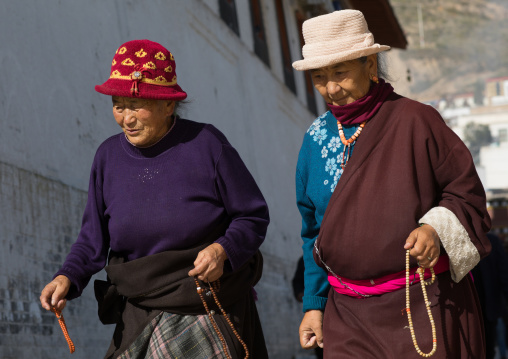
(61, 321)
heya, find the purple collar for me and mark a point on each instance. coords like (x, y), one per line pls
(364, 108)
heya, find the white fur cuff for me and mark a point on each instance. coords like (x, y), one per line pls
(454, 238)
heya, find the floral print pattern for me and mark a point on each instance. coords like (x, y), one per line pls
(337, 174)
(320, 135)
(334, 144)
(331, 165)
(331, 150)
(317, 124)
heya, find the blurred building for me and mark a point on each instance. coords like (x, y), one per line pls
(234, 60)
(496, 91)
(459, 110)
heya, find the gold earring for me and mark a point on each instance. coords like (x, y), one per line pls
(374, 78)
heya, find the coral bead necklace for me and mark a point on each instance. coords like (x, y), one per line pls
(420, 272)
(347, 143)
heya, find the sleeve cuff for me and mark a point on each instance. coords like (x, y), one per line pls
(233, 262)
(313, 303)
(75, 290)
(455, 240)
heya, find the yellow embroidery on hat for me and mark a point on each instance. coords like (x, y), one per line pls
(160, 83)
(161, 79)
(128, 62)
(168, 69)
(150, 65)
(122, 50)
(171, 57)
(141, 53)
(114, 62)
(160, 56)
(115, 75)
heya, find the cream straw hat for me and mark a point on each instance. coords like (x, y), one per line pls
(336, 37)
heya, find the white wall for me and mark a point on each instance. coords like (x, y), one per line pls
(494, 160)
(39, 221)
(494, 168)
(52, 121)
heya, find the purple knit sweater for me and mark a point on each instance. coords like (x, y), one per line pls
(143, 201)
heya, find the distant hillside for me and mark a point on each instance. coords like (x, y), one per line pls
(463, 41)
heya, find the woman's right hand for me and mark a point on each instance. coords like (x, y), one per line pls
(53, 294)
(311, 330)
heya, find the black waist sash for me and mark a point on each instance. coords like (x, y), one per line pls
(137, 291)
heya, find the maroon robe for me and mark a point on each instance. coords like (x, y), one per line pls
(406, 162)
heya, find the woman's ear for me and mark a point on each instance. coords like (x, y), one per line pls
(170, 107)
(371, 64)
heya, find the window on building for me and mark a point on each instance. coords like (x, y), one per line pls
(498, 89)
(258, 30)
(289, 77)
(309, 87)
(336, 5)
(227, 10)
(503, 135)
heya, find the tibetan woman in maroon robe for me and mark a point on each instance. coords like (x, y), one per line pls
(385, 189)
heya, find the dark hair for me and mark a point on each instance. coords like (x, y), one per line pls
(381, 65)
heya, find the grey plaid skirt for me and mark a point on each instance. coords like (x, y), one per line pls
(177, 337)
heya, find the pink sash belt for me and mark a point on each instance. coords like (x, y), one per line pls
(386, 284)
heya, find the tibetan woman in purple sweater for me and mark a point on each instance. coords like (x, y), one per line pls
(175, 218)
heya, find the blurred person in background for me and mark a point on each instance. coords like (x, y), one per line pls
(491, 281)
(385, 189)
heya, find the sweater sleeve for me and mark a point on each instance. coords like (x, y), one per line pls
(88, 254)
(245, 205)
(315, 278)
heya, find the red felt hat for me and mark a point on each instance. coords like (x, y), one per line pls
(143, 69)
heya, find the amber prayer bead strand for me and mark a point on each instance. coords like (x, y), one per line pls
(213, 287)
(229, 322)
(421, 272)
(212, 320)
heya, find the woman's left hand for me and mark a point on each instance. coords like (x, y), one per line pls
(209, 264)
(425, 245)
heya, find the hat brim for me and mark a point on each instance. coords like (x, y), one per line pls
(122, 88)
(317, 62)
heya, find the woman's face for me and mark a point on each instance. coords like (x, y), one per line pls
(144, 122)
(345, 82)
